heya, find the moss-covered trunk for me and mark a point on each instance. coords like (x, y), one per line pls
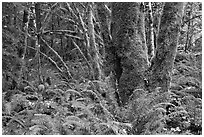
(94, 52)
(150, 33)
(104, 16)
(162, 63)
(129, 46)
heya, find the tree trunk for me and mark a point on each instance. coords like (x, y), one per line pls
(159, 73)
(151, 33)
(188, 32)
(37, 25)
(129, 47)
(156, 22)
(93, 48)
(104, 17)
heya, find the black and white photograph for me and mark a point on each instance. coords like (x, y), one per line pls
(101, 68)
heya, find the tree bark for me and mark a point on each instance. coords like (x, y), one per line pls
(151, 33)
(159, 73)
(129, 47)
(37, 25)
(93, 48)
(188, 31)
(104, 15)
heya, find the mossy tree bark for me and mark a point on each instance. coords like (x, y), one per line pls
(159, 73)
(94, 52)
(104, 15)
(129, 47)
(150, 34)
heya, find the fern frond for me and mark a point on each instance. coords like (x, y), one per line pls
(163, 105)
(72, 91)
(74, 123)
(46, 120)
(115, 127)
(35, 130)
(91, 94)
(19, 121)
(77, 104)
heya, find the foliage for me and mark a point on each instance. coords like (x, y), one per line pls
(76, 110)
(52, 90)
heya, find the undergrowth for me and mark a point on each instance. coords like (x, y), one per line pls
(58, 105)
(78, 108)
(81, 106)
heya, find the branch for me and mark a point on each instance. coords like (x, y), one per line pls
(76, 37)
(49, 58)
(63, 32)
(197, 39)
(84, 30)
(198, 16)
(80, 17)
(66, 67)
(47, 16)
(82, 54)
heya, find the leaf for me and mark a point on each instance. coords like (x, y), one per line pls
(78, 104)
(8, 107)
(122, 124)
(163, 105)
(42, 119)
(91, 94)
(81, 99)
(116, 129)
(90, 106)
(73, 120)
(34, 130)
(72, 91)
(19, 121)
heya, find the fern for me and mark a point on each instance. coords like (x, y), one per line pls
(72, 91)
(149, 112)
(50, 125)
(37, 129)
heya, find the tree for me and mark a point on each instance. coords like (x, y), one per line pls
(192, 25)
(53, 58)
(104, 15)
(159, 73)
(93, 48)
(129, 47)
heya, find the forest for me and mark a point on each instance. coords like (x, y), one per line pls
(101, 68)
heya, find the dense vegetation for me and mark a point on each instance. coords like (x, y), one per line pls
(58, 78)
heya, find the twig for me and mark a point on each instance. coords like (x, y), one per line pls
(63, 32)
(78, 38)
(198, 16)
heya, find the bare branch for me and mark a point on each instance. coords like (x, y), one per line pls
(64, 64)
(82, 54)
(47, 17)
(49, 58)
(63, 32)
(198, 16)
